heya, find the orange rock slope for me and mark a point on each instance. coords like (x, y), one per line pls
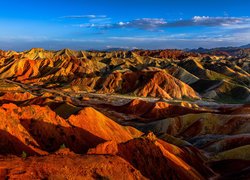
(148, 83)
(151, 111)
(39, 130)
(64, 166)
(35, 130)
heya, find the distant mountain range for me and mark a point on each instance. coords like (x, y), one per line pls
(198, 50)
(242, 51)
(205, 50)
(245, 46)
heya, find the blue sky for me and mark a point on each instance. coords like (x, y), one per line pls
(101, 24)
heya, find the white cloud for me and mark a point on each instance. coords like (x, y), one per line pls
(89, 16)
(200, 18)
(161, 23)
(143, 23)
(219, 21)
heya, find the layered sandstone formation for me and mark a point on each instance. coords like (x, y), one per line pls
(170, 74)
(163, 114)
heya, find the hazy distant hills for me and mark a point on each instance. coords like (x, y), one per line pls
(245, 46)
(230, 51)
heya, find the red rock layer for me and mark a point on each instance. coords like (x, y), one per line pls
(157, 159)
(151, 111)
(68, 166)
(37, 130)
(148, 83)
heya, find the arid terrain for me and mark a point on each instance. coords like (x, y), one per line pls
(141, 114)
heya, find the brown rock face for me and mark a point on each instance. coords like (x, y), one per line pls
(164, 160)
(68, 167)
(148, 83)
(99, 125)
(109, 147)
(34, 128)
(151, 111)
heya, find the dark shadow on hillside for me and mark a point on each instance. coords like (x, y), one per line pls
(18, 103)
(232, 168)
(64, 109)
(51, 137)
(9, 144)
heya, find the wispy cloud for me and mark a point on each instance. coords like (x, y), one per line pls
(89, 16)
(160, 23)
(219, 21)
(143, 23)
(161, 42)
(121, 47)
